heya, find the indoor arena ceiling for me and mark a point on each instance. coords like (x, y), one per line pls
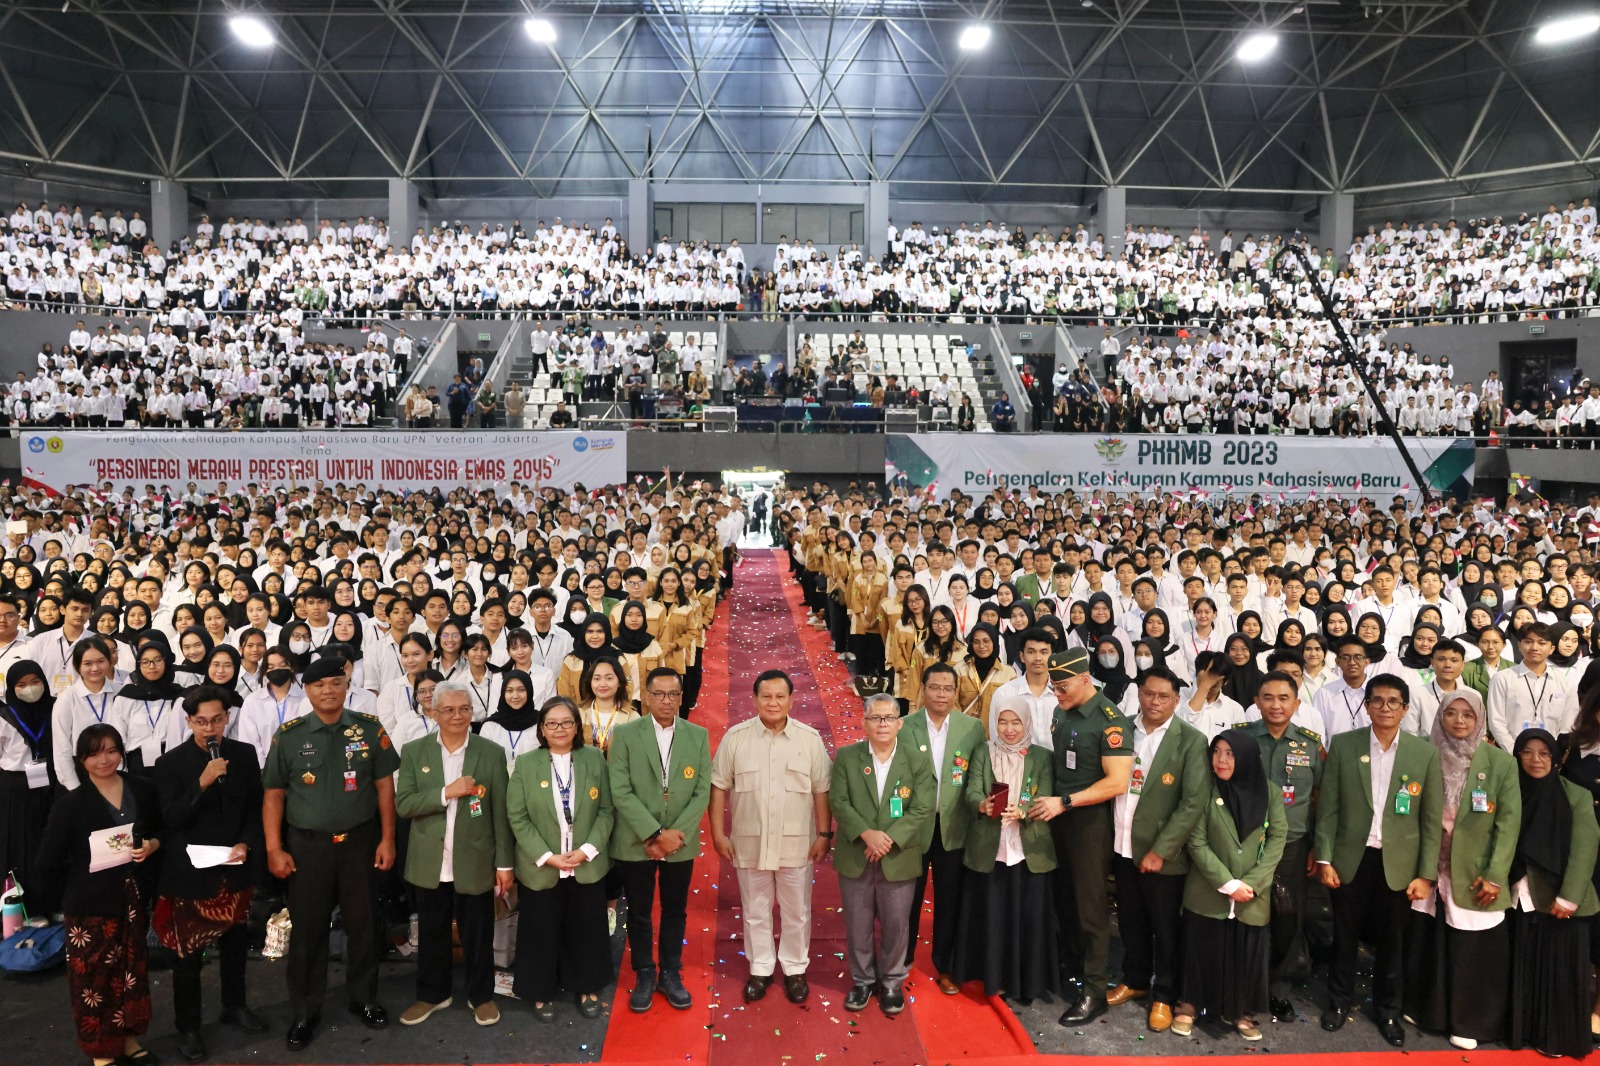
(1395, 101)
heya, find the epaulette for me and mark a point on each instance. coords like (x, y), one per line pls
(374, 719)
(1113, 714)
(1313, 734)
(1242, 725)
(291, 723)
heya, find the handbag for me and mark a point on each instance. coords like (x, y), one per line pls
(33, 950)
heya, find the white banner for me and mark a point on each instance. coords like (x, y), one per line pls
(378, 459)
(1155, 463)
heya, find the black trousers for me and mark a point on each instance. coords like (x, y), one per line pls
(639, 881)
(329, 874)
(1083, 906)
(1288, 918)
(838, 625)
(233, 947)
(1366, 902)
(948, 877)
(1148, 908)
(474, 919)
(728, 554)
(868, 650)
(561, 940)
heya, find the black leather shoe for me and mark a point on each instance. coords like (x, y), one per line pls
(858, 998)
(301, 1034)
(891, 1000)
(644, 990)
(191, 1047)
(1333, 1019)
(678, 997)
(1282, 1010)
(243, 1019)
(1393, 1033)
(145, 1057)
(1085, 1010)
(796, 987)
(589, 1008)
(371, 1014)
(756, 987)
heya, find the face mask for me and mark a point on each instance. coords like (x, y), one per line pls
(29, 693)
(1490, 601)
(299, 647)
(1108, 661)
(280, 676)
(1144, 662)
(1582, 620)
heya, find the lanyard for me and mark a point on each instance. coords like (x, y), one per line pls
(35, 739)
(1544, 684)
(543, 646)
(483, 697)
(1345, 696)
(515, 738)
(155, 718)
(667, 762)
(282, 708)
(564, 788)
(100, 715)
(602, 737)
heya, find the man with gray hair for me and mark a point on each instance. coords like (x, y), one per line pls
(881, 799)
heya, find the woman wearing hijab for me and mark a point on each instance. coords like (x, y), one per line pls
(27, 777)
(1580, 764)
(1335, 624)
(1291, 637)
(149, 705)
(1459, 938)
(1553, 885)
(511, 725)
(983, 673)
(1250, 625)
(1244, 676)
(1156, 628)
(1567, 659)
(593, 641)
(639, 651)
(1416, 655)
(1016, 624)
(1109, 669)
(1227, 898)
(1005, 935)
(1099, 621)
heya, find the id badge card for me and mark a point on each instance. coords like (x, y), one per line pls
(38, 775)
(349, 780)
(475, 807)
(1069, 759)
(957, 776)
(1288, 795)
(1136, 785)
(897, 807)
(61, 682)
(1480, 801)
(1402, 802)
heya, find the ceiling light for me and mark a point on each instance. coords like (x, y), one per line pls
(1256, 47)
(974, 37)
(251, 31)
(1558, 31)
(541, 30)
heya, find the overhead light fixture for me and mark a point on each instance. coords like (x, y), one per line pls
(974, 37)
(542, 31)
(1256, 47)
(1559, 31)
(252, 31)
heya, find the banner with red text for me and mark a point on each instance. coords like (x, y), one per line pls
(379, 459)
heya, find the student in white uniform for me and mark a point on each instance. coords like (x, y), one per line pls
(1530, 695)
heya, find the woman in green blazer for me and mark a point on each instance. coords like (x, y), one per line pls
(560, 812)
(1227, 894)
(1005, 934)
(1459, 933)
(1552, 877)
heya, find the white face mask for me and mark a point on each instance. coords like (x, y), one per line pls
(1144, 662)
(29, 693)
(1108, 661)
(1582, 620)
(299, 647)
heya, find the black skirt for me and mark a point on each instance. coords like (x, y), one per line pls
(1455, 981)
(23, 813)
(1006, 936)
(1225, 964)
(1550, 996)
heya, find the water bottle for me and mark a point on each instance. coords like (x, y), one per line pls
(11, 913)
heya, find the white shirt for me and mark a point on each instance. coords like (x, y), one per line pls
(880, 768)
(1520, 699)
(1382, 769)
(938, 737)
(561, 770)
(550, 648)
(1145, 746)
(1342, 708)
(664, 738)
(454, 766)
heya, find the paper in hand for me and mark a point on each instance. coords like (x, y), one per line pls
(110, 847)
(205, 856)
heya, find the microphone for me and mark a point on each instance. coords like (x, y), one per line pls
(214, 750)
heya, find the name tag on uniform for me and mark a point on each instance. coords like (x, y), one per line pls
(1136, 784)
(38, 775)
(1402, 801)
(896, 807)
(1288, 795)
(61, 682)
(1480, 801)
(475, 807)
(1069, 759)
(349, 780)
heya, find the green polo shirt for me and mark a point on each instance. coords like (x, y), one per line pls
(1294, 763)
(311, 759)
(1082, 736)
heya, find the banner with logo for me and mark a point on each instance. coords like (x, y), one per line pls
(1278, 467)
(398, 460)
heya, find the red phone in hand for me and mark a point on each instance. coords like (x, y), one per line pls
(999, 798)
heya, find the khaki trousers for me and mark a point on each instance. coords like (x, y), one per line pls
(789, 888)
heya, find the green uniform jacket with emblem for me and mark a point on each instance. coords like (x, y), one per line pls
(1577, 880)
(635, 767)
(983, 832)
(1089, 732)
(532, 812)
(1483, 843)
(853, 798)
(1171, 798)
(1217, 856)
(1411, 841)
(480, 844)
(966, 737)
(309, 759)
(1293, 763)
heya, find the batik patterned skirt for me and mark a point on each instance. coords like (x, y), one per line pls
(108, 976)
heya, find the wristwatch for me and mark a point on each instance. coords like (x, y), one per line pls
(828, 835)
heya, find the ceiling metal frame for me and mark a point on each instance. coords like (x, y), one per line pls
(1427, 99)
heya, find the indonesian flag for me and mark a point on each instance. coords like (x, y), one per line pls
(1591, 531)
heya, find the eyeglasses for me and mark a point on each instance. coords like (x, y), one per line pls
(566, 724)
(1350, 658)
(1393, 702)
(882, 719)
(1161, 697)
(452, 712)
(673, 696)
(209, 721)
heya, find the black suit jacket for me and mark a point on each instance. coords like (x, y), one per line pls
(63, 863)
(227, 813)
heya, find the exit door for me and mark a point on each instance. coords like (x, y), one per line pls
(1534, 370)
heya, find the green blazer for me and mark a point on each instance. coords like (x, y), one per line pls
(1344, 809)
(1217, 856)
(966, 737)
(1475, 675)
(983, 833)
(532, 812)
(1577, 883)
(1172, 797)
(479, 845)
(853, 798)
(635, 768)
(1483, 843)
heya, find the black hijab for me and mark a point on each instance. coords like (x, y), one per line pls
(1243, 681)
(1245, 793)
(184, 666)
(1168, 645)
(581, 648)
(509, 718)
(164, 687)
(1377, 651)
(1113, 679)
(1092, 632)
(986, 663)
(32, 720)
(1557, 631)
(1546, 835)
(632, 641)
(1257, 644)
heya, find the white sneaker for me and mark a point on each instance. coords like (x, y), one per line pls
(1465, 1043)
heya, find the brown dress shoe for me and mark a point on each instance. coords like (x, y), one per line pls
(1122, 994)
(756, 987)
(1160, 1017)
(948, 986)
(796, 988)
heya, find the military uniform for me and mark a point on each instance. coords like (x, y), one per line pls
(1293, 763)
(332, 830)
